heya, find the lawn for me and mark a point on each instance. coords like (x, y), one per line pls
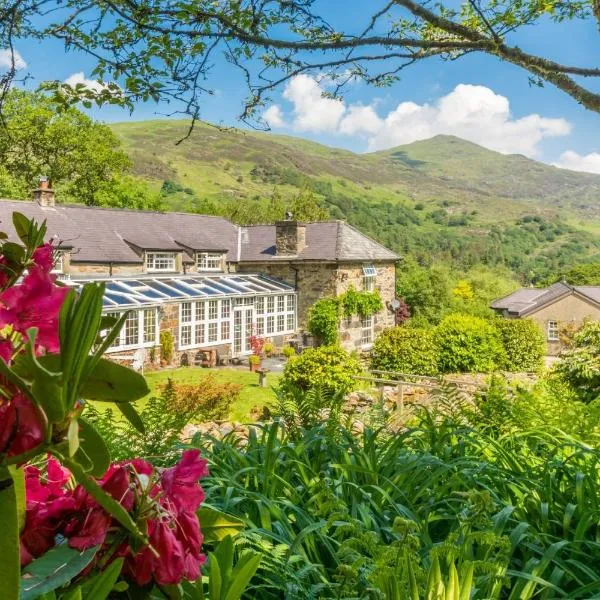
(251, 396)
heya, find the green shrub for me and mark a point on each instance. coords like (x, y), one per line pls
(166, 346)
(289, 351)
(323, 320)
(405, 350)
(468, 344)
(329, 367)
(580, 366)
(524, 344)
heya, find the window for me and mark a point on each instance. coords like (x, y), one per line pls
(140, 330)
(369, 275)
(209, 261)
(275, 314)
(553, 331)
(59, 262)
(204, 322)
(366, 335)
(160, 261)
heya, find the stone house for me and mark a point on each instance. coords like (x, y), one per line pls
(209, 282)
(554, 308)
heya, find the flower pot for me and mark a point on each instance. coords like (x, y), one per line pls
(254, 366)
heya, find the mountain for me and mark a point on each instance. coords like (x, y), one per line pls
(440, 198)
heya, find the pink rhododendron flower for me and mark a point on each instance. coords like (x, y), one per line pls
(20, 427)
(89, 531)
(117, 483)
(43, 257)
(34, 303)
(180, 483)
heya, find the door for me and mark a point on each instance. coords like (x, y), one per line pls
(243, 318)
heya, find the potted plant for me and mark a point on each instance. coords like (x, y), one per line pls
(289, 352)
(254, 361)
(269, 349)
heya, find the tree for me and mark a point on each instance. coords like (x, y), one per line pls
(156, 50)
(82, 158)
(588, 274)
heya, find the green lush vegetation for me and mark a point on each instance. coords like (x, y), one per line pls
(461, 343)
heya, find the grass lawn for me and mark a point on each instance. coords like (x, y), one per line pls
(251, 395)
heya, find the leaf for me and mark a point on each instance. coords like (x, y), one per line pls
(103, 583)
(22, 227)
(111, 382)
(242, 574)
(9, 538)
(73, 437)
(53, 569)
(18, 477)
(131, 415)
(93, 446)
(216, 525)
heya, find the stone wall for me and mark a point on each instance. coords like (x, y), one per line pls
(351, 275)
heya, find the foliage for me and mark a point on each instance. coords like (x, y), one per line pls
(73, 522)
(368, 515)
(468, 344)
(405, 350)
(329, 367)
(257, 344)
(580, 366)
(524, 344)
(271, 43)
(402, 313)
(323, 320)
(269, 348)
(167, 345)
(83, 159)
(254, 359)
(325, 314)
(164, 417)
(585, 274)
(289, 351)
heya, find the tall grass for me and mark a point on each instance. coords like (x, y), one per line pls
(440, 510)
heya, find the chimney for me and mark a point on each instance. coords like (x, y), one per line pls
(44, 195)
(290, 237)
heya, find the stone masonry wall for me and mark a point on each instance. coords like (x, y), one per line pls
(385, 281)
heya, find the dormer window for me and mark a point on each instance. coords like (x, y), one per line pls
(160, 261)
(209, 261)
(59, 263)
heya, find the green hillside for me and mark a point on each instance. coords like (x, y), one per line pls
(442, 199)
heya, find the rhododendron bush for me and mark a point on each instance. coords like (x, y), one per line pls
(73, 524)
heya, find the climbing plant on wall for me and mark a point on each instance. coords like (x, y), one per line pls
(325, 314)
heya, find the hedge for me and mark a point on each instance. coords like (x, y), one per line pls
(524, 344)
(405, 350)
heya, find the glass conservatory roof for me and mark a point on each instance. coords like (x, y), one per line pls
(150, 291)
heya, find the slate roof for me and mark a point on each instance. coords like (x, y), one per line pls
(102, 235)
(528, 300)
(114, 235)
(326, 240)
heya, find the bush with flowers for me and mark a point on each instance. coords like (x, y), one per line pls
(73, 524)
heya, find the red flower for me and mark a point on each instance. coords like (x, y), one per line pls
(43, 257)
(168, 567)
(20, 427)
(89, 532)
(116, 482)
(188, 533)
(180, 483)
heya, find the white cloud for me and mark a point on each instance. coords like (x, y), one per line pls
(79, 78)
(6, 59)
(312, 112)
(471, 112)
(274, 116)
(579, 162)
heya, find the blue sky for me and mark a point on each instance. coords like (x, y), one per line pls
(476, 97)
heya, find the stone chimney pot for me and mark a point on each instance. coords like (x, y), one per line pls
(290, 238)
(44, 195)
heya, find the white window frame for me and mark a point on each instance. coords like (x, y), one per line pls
(369, 276)
(366, 330)
(205, 321)
(552, 331)
(58, 266)
(140, 313)
(167, 262)
(209, 261)
(269, 315)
